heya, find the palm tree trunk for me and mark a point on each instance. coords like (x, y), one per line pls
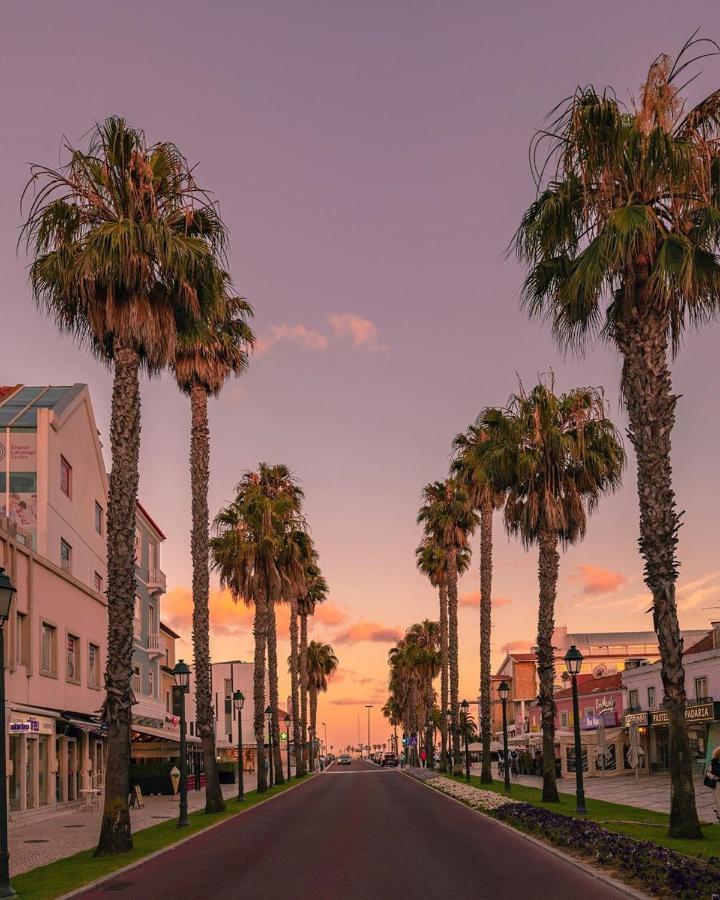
(260, 634)
(548, 566)
(486, 540)
(313, 723)
(115, 833)
(454, 660)
(295, 686)
(199, 478)
(304, 688)
(443, 675)
(274, 692)
(647, 389)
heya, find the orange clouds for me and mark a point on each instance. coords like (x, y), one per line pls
(329, 614)
(595, 580)
(360, 332)
(516, 647)
(369, 631)
(294, 334)
(472, 600)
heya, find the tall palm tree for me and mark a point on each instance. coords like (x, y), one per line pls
(316, 591)
(555, 456)
(448, 517)
(470, 471)
(122, 239)
(622, 242)
(206, 355)
(321, 664)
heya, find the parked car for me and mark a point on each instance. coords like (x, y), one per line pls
(344, 760)
(389, 759)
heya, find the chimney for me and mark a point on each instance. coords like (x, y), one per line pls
(715, 634)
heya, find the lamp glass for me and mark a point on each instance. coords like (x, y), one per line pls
(238, 699)
(181, 674)
(504, 690)
(286, 720)
(573, 660)
(465, 705)
(7, 592)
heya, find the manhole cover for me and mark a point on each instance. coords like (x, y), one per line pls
(118, 886)
(37, 841)
(74, 826)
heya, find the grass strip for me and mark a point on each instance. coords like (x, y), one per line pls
(72, 872)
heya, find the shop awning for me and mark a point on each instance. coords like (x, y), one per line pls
(159, 734)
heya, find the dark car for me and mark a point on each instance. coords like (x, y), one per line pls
(344, 760)
(389, 759)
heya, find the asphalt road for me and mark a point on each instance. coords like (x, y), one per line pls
(357, 833)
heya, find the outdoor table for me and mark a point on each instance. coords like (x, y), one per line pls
(91, 799)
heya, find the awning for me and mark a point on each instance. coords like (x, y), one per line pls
(172, 736)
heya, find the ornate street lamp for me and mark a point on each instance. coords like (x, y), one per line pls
(465, 706)
(573, 661)
(271, 771)
(181, 676)
(286, 720)
(238, 703)
(7, 592)
(504, 693)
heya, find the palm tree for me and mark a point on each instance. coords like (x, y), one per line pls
(123, 239)
(316, 591)
(622, 243)
(470, 471)
(207, 354)
(449, 519)
(321, 664)
(555, 457)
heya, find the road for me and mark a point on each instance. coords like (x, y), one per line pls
(357, 833)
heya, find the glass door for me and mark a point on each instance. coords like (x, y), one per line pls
(71, 769)
(15, 742)
(30, 770)
(43, 769)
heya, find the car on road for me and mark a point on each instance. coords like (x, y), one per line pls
(344, 760)
(389, 759)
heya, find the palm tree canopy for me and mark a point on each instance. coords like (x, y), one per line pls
(322, 663)
(447, 514)
(555, 456)
(469, 468)
(124, 243)
(626, 195)
(432, 560)
(211, 349)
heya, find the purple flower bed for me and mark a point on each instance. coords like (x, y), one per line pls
(659, 871)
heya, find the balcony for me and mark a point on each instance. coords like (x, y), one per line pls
(153, 645)
(156, 582)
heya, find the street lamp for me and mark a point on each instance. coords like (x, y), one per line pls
(286, 720)
(465, 706)
(368, 707)
(7, 592)
(268, 715)
(573, 661)
(504, 693)
(238, 703)
(181, 676)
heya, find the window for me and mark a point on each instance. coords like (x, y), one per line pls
(136, 683)
(72, 665)
(152, 555)
(563, 720)
(65, 556)
(701, 688)
(137, 617)
(93, 666)
(98, 582)
(228, 707)
(65, 477)
(138, 547)
(48, 649)
(651, 698)
(98, 518)
(151, 683)
(21, 640)
(634, 700)
(152, 620)
(168, 707)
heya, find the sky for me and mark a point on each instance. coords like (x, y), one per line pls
(371, 163)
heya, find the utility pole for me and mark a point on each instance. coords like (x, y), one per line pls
(368, 707)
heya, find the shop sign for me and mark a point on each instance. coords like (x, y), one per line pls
(638, 718)
(603, 703)
(702, 712)
(30, 726)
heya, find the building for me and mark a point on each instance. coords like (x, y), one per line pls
(645, 707)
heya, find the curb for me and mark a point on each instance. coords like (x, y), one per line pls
(549, 848)
(138, 862)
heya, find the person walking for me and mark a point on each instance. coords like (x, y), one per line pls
(712, 779)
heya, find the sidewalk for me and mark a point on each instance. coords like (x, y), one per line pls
(647, 792)
(63, 834)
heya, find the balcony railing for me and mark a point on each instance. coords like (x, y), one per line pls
(633, 709)
(156, 581)
(153, 641)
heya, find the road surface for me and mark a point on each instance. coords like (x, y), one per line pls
(356, 833)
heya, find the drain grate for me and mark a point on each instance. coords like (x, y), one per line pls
(74, 826)
(37, 841)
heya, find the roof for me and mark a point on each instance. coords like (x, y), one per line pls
(19, 404)
(150, 520)
(168, 630)
(588, 685)
(705, 643)
(522, 657)
(604, 639)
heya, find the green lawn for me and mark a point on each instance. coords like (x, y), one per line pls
(73, 872)
(643, 824)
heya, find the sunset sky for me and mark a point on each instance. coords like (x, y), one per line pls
(370, 160)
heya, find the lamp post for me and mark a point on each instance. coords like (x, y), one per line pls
(239, 702)
(181, 676)
(573, 661)
(271, 771)
(326, 743)
(465, 706)
(311, 733)
(286, 720)
(504, 693)
(368, 707)
(7, 592)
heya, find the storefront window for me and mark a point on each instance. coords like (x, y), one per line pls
(571, 759)
(15, 745)
(43, 769)
(71, 767)
(30, 769)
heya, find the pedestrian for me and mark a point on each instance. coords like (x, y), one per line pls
(423, 757)
(712, 779)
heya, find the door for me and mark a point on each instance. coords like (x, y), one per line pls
(72, 767)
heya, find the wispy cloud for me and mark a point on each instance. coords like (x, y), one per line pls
(375, 632)
(360, 332)
(355, 701)
(472, 601)
(516, 647)
(705, 590)
(596, 581)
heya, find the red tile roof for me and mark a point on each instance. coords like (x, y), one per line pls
(705, 643)
(589, 685)
(522, 657)
(7, 390)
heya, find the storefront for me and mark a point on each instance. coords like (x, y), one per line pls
(699, 718)
(31, 760)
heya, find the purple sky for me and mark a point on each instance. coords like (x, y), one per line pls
(371, 162)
